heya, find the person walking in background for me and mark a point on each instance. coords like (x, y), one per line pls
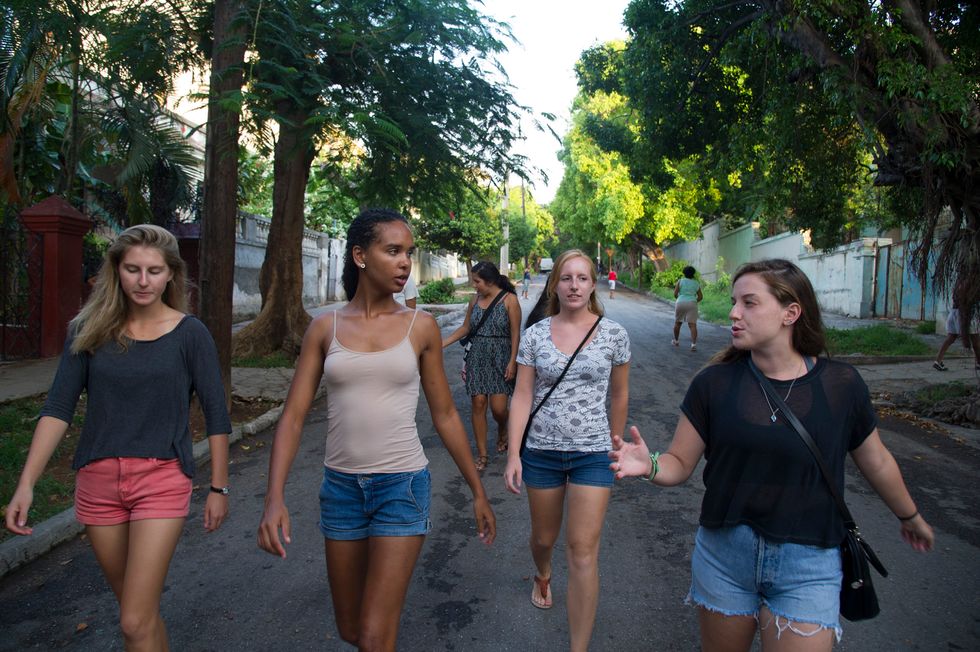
(408, 295)
(493, 328)
(687, 291)
(374, 500)
(579, 355)
(612, 282)
(526, 282)
(953, 333)
(767, 511)
(140, 358)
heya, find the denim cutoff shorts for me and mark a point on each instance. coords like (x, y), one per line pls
(357, 506)
(734, 571)
(543, 469)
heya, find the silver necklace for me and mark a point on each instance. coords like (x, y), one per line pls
(772, 417)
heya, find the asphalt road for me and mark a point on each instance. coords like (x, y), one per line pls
(223, 593)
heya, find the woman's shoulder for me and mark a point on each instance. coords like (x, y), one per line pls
(539, 329)
(839, 370)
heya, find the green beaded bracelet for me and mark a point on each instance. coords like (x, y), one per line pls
(656, 466)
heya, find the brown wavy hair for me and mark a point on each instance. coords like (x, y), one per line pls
(103, 317)
(788, 284)
(554, 307)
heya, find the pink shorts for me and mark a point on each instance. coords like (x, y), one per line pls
(116, 490)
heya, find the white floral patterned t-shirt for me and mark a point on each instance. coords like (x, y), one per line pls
(574, 417)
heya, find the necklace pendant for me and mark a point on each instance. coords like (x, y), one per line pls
(773, 417)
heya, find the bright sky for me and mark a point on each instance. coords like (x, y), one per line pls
(551, 35)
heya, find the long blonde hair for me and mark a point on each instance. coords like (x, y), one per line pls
(554, 307)
(103, 317)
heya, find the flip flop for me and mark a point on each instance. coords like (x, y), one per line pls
(543, 585)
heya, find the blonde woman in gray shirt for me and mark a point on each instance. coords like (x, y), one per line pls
(139, 357)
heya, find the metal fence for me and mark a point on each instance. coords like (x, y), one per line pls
(21, 276)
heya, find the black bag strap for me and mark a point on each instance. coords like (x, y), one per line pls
(486, 313)
(568, 365)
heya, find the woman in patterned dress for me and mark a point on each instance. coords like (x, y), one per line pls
(490, 366)
(565, 461)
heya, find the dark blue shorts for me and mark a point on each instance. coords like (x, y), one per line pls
(543, 469)
(357, 506)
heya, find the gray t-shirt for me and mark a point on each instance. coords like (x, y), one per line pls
(139, 399)
(574, 417)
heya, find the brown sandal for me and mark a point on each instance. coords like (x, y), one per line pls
(543, 585)
(501, 445)
(481, 462)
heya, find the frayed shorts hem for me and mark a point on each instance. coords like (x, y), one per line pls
(789, 623)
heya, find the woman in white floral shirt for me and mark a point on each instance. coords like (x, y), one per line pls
(570, 436)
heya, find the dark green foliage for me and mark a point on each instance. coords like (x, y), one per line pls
(441, 291)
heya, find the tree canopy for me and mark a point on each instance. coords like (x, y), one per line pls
(824, 115)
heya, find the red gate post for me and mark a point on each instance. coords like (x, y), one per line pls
(61, 227)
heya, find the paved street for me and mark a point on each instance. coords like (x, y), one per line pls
(225, 594)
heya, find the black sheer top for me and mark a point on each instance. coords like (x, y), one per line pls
(759, 472)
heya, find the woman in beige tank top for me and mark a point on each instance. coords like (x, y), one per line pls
(372, 354)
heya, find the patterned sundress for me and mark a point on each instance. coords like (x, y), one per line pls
(487, 360)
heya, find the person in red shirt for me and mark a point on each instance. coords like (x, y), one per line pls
(612, 283)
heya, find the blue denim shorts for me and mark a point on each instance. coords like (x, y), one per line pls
(357, 506)
(543, 469)
(734, 571)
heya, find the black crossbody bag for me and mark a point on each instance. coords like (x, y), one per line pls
(527, 427)
(858, 600)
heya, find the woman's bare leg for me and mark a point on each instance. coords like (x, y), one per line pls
(586, 514)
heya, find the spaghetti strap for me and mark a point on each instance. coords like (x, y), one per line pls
(335, 318)
(414, 315)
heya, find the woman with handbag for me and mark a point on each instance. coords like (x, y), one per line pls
(373, 355)
(566, 365)
(767, 556)
(491, 332)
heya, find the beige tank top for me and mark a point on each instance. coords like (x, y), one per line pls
(371, 401)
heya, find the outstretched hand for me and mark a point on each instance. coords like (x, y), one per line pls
(630, 459)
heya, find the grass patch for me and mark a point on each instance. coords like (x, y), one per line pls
(54, 490)
(926, 328)
(269, 361)
(879, 339)
(934, 394)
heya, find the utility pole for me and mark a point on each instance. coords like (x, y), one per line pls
(505, 247)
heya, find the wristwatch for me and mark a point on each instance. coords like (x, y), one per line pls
(220, 490)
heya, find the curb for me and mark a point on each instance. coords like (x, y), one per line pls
(21, 550)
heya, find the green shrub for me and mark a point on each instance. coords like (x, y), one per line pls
(441, 291)
(926, 327)
(669, 277)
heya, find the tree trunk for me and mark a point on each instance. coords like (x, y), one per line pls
(220, 205)
(283, 319)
